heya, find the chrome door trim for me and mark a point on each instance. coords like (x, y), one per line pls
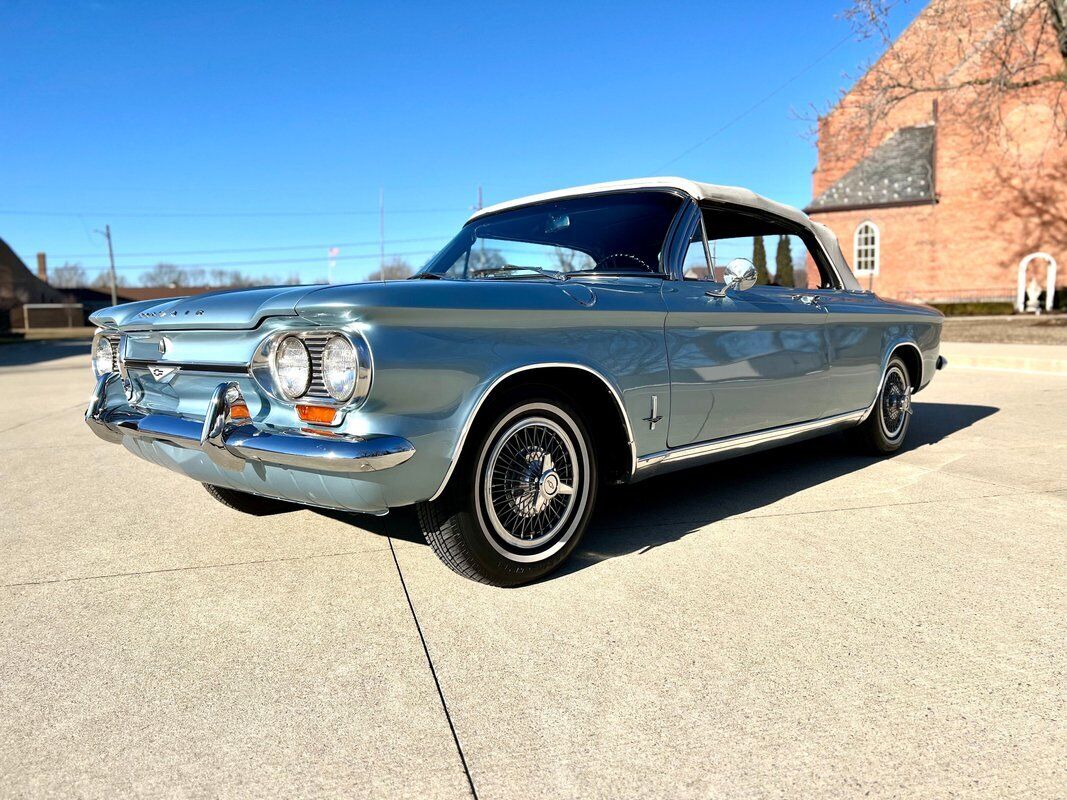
(729, 446)
(461, 441)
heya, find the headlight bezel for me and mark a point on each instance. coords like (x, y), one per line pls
(315, 340)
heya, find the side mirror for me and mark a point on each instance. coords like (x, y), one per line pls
(739, 275)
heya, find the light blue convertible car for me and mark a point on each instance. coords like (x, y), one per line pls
(602, 333)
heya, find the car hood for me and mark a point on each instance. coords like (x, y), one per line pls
(423, 301)
(231, 309)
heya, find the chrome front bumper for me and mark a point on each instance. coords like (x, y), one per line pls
(231, 443)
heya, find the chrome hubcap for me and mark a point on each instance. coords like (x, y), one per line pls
(896, 402)
(530, 482)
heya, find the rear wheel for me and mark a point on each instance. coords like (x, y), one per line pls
(885, 428)
(247, 503)
(521, 497)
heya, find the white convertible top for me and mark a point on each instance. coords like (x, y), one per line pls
(698, 191)
(695, 189)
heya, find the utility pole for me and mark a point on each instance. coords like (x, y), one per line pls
(479, 206)
(381, 233)
(111, 256)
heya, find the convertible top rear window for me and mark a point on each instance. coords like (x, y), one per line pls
(609, 233)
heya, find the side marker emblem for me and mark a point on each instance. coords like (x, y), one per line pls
(655, 416)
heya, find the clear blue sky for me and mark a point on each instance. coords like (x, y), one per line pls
(290, 113)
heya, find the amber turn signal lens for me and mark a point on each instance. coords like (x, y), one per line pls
(320, 415)
(239, 411)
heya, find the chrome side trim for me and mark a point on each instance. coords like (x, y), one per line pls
(232, 443)
(707, 452)
(461, 441)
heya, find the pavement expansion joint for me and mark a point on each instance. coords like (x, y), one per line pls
(433, 673)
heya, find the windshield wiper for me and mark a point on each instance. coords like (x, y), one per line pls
(509, 270)
(426, 276)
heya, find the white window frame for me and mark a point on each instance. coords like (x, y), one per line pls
(875, 257)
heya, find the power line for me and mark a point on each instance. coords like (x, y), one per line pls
(228, 250)
(262, 262)
(754, 106)
(206, 214)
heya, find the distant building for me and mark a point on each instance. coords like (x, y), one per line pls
(19, 286)
(926, 205)
(93, 299)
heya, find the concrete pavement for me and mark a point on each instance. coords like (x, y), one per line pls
(803, 622)
(1037, 358)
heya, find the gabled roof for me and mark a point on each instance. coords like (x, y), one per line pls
(18, 285)
(698, 191)
(900, 171)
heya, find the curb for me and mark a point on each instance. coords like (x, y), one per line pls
(1029, 363)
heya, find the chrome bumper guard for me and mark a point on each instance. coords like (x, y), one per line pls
(231, 443)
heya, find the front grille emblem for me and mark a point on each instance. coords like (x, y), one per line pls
(163, 374)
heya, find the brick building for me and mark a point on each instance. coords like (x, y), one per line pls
(940, 194)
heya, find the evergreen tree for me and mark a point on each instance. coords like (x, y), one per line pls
(759, 260)
(783, 263)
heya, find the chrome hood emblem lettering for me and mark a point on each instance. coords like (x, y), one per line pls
(159, 314)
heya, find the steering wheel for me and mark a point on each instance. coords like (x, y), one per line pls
(615, 256)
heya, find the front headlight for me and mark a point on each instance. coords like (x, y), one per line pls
(339, 367)
(103, 356)
(292, 367)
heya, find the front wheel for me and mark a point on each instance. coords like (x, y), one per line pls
(886, 426)
(521, 497)
(248, 503)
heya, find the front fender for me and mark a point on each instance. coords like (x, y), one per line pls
(434, 369)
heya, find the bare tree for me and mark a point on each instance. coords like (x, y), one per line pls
(165, 275)
(102, 282)
(485, 258)
(973, 56)
(68, 276)
(568, 260)
(395, 269)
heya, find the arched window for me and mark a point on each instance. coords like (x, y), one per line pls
(865, 248)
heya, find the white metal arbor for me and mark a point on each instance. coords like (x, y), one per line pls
(1050, 280)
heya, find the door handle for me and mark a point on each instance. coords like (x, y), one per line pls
(807, 299)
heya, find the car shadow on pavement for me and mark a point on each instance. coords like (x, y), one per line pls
(21, 354)
(662, 510)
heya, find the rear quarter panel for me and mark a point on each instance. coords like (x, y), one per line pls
(863, 332)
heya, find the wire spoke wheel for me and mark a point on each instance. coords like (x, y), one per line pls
(531, 482)
(895, 403)
(526, 495)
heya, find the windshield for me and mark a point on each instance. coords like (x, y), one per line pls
(613, 233)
